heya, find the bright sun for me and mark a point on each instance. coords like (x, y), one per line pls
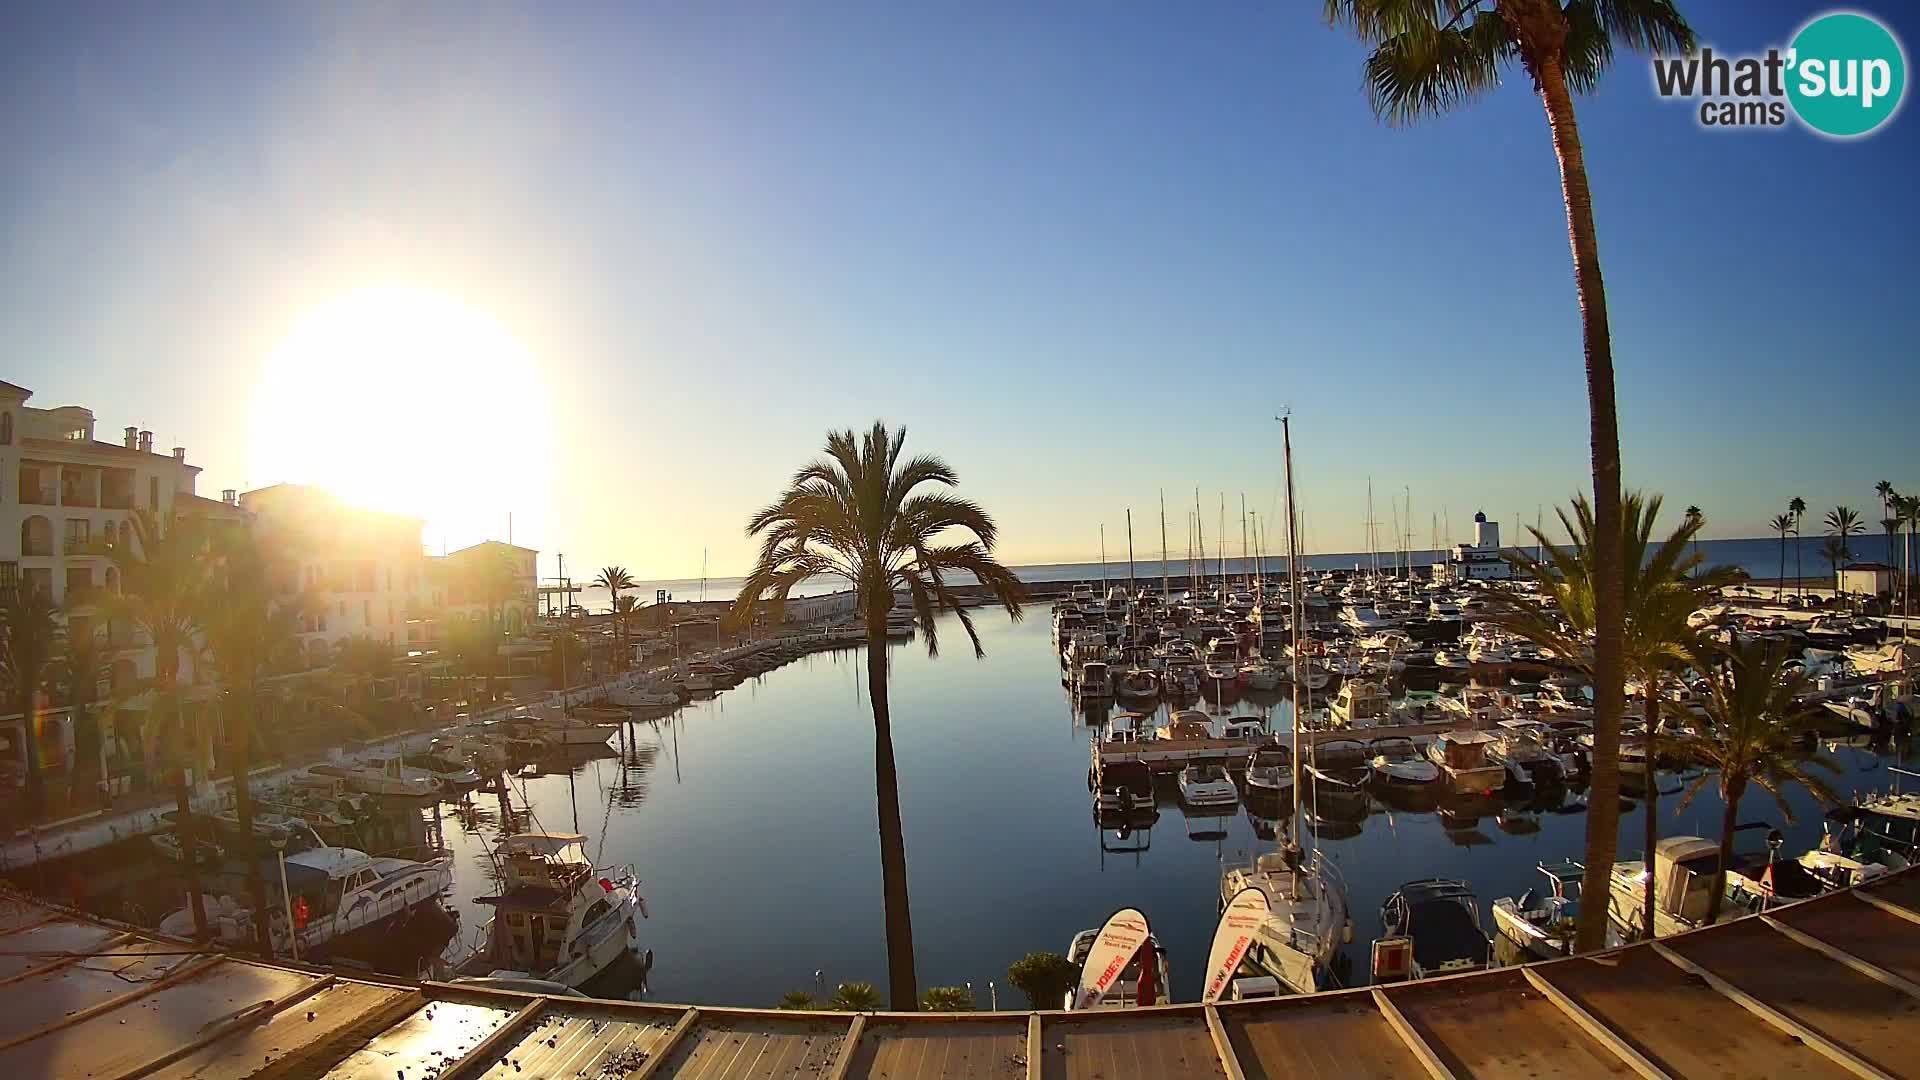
(410, 401)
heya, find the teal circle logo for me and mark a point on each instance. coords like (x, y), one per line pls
(1846, 74)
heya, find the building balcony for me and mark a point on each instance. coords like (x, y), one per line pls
(76, 497)
(41, 549)
(83, 545)
(36, 496)
(122, 500)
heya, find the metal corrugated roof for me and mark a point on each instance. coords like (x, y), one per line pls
(1827, 987)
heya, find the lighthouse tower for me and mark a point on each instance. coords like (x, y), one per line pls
(1486, 534)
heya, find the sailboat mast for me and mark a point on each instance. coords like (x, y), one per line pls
(1200, 538)
(1130, 585)
(1222, 544)
(1165, 596)
(1293, 588)
(1103, 562)
(1245, 581)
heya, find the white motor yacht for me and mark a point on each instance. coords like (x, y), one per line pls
(1541, 924)
(1462, 756)
(1270, 774)
(1207, 785)
(337, 892)
(558, 919)
(1359, 704)
(386, 778)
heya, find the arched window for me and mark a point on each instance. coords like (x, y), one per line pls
(36, 536)
(6, 429)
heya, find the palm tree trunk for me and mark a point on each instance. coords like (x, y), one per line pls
(36, 782)
(1652, 806)
(1731, 788)
(902, 986)
(1780, 590)
(184, 743)
(1603, 815)
(240, 743)
(1799, 568)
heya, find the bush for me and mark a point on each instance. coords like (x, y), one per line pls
(1044, 977)
(798, 1000)
(855, 997)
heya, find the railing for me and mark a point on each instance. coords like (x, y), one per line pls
(81, 545)
(76, 497)
(116, 501)
(36, 496)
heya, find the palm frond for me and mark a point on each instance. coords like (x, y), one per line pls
(1419, 73)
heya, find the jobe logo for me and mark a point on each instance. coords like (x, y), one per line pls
(1844, 75)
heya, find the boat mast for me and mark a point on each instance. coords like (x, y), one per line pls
(1222, 544)
(1293, 587)
(1165, 596)
(1103, 562)
(1245, 581)
(1131, 588)
(1200, 537)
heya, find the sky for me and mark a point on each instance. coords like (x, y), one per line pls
(615, 270)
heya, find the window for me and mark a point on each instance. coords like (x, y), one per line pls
(153, 493)
(6, 429)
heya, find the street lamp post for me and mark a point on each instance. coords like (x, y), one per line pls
(286, 895)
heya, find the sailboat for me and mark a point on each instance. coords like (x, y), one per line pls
(1298, 938)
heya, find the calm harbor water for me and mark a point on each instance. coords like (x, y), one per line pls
(750, 818)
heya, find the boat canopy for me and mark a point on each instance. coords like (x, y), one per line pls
(570, 847)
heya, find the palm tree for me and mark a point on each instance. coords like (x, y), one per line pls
(163, 576)
(1889, 514)
(1694, 515)
(1834, 550)
(623, 610)
(1429, 57)
(1662, 589)
(615, 580)
(246, 628)
(856, 514)
(797, 1000)
(947, 999)
(1782, 524)
(1797, 506)
(855, 997)
(1756, 714)
(1908, 508)
(1844, 522)
(84, 668)
(30, 631)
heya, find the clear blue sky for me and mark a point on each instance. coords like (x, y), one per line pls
(1084, 250)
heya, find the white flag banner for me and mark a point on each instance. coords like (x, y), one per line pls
(1231, 938)
(1113, 948)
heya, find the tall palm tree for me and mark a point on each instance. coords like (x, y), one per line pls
(1797, 506)
(163, 575)
(1782, 524)
(857, 514)
(1834, 550)
(1842, 522)
(1694, 515)
(1884, 489)
(615, 580)
(1432, 55)
(1756, 714)
(1662, 589)
(1908, 509)
(30, 632)
(247, 629)
(623, 610)
(83, 669)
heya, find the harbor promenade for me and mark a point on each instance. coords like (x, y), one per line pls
(1828, 987)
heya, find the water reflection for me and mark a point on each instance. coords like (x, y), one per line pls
(750, 819)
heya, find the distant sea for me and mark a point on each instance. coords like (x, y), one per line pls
(1758, 556)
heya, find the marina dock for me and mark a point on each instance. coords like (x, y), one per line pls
(1825, 987)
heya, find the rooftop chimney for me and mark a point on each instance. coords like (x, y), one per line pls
(230, 496)
(146, 442)
(180, 454)
(128, 439)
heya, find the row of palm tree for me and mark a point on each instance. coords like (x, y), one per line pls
(200, 592)
(1756, 713)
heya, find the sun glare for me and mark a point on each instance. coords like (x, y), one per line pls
(410, 401)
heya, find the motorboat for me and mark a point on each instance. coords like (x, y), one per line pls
(1138, 684)
(1518, 747)
(337, 892)
(1142, 978)
(453, 773)
(1541, 923)
(1339, 764)
(1244, 729)
(645, 697)
(1093, 682)
(406, 777)
(1123, 788)
(1360, 703)
(377, 782)
(1396, 765)
(560, 730)
(1260, 675)
(1207, 785)
(1185, 724)
(1462, 756)
(1127, 727)
(558, 918)
(167, 842)
(1270, 773)
(1431, 927)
